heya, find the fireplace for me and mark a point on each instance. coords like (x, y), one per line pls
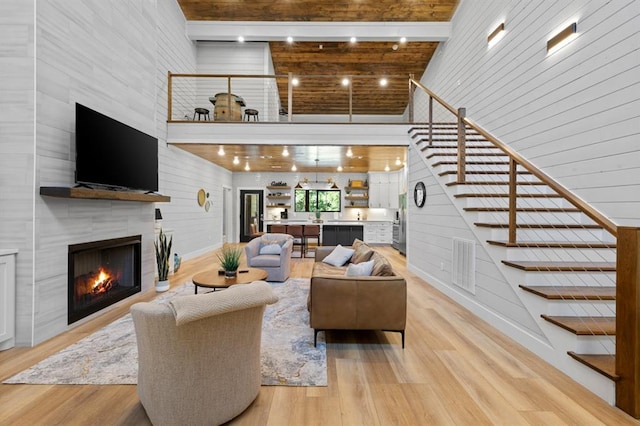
(102, 273)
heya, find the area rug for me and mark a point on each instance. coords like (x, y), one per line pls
(110, 355)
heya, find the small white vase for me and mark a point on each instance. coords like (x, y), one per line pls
(162, 286)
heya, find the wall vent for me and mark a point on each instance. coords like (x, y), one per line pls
(463, 264)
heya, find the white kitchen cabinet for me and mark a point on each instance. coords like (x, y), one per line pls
(7, 298)
(384, 190)
(378, 232)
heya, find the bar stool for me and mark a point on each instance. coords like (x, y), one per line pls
(202, 112)
(278, 229)
(298, 237)
(311, 232)
(249, 112)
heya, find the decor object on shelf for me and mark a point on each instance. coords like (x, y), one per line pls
(419, 194)
(229, 259)
(163, 251)
(177, 260)
(158, 222)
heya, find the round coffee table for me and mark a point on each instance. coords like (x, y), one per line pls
(214, 280)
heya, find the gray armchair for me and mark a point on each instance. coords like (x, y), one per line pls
(278, 266)
(199, 355)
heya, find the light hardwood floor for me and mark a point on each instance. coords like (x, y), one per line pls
(455, 370)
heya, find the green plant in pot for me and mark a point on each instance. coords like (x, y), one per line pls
(163, 255)
(229, 258)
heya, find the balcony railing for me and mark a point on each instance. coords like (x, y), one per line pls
(289, 98)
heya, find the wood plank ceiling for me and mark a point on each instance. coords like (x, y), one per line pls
(269, 158)
(363, 62)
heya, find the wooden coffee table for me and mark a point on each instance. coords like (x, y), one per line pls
(211, 279)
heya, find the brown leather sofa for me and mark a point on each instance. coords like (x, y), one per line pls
(339, 302)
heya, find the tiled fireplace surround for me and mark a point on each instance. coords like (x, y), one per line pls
(41, 303)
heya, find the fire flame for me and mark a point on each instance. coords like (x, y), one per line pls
(102, 282)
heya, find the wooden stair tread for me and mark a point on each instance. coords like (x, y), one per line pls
(603, 364)
(483, 172)
(454, 147)
(571, 292)
(554, 244)
(468, 154)
(539, 225)
(585, 326)
(489, 182)
(536, 266)
(505, 195)
(524, 209)
(472, 163)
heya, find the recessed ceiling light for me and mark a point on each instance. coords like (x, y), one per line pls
(345, 81)
(294, 168)
(285, 152)
(394, 47)
(383, 82)
(289, 39)
(236, 160)
(353, 39)
(349, 152)
(339, 168)
(221, 151)
(295, 81)
(241, 39)
(403, 39)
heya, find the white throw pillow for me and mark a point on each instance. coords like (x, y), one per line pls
(271, 249)
(339, 256)
(362, 268)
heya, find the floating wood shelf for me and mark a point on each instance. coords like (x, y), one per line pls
(102, 194)
(278, 187)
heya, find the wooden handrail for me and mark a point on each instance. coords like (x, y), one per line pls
(595, 215)
(628, 321)
(436, 97)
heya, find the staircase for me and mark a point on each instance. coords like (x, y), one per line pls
(563, 261)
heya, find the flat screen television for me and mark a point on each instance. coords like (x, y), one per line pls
(110, 153)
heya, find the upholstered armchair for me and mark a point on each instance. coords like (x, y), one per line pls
(199, 355)
(262, 253)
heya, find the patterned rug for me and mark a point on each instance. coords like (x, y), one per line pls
(109, 356)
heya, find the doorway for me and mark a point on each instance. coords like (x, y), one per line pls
(251, 206)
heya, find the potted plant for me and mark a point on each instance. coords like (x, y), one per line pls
(229, 259)
(163, 253)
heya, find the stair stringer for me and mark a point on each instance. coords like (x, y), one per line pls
(553, 343)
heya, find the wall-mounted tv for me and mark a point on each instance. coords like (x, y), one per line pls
(110, 153)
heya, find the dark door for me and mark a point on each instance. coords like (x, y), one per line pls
(251, 206)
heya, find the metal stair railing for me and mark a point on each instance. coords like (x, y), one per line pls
(532, 213)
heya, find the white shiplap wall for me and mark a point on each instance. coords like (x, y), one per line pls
(17, 144)
(239, 58)
(430, 231)
(575, 113)
(112, 56)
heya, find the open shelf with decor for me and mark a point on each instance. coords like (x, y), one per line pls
(356, 197)
(279, 196)
(102, 194)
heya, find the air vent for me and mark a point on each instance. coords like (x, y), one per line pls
(463, 269)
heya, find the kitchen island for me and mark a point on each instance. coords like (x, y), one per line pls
(334, 232)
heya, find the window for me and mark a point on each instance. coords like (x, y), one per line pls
(311, 200)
